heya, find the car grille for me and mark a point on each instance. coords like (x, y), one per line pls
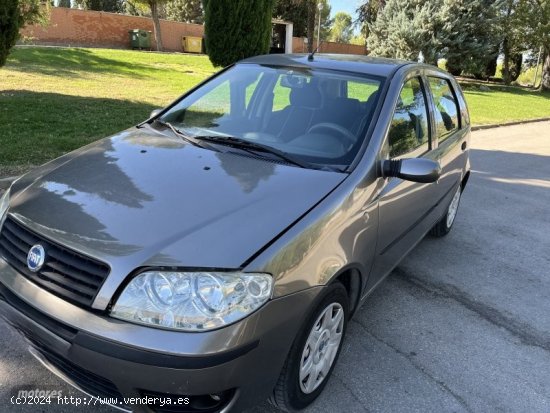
(65, 273)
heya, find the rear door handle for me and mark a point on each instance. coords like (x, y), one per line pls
(464, 144)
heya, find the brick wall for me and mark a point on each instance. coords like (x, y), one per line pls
(100, 29)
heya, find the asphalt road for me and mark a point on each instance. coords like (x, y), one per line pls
(463, 324)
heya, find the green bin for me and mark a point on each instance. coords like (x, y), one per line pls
(140, 39)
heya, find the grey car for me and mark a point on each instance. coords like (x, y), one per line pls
(212, 256)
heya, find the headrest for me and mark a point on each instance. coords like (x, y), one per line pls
(308, 97)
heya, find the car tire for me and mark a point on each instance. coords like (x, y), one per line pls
(318, 343)
(443, 227)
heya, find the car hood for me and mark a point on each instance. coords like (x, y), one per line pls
(144, 199)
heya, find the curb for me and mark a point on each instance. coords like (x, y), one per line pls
(518, 122)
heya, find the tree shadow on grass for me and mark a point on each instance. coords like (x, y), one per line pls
(38, 127)
(73, 62)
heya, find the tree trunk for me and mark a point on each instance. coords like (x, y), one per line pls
(153, 4)
(545, 81)
(506, 62)
(311, 10)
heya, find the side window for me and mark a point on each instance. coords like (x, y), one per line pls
(361, 91)
(464, 115)
(409, 127)
(446, 107)
(207, 110)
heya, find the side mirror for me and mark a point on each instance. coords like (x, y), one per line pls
(155, 112)
(413, 169)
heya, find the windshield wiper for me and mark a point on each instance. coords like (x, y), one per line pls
(185, 137)
(250, 145)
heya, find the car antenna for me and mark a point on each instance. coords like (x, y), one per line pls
(310, 57)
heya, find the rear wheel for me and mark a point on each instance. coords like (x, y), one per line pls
(443, 227)
(314, 352)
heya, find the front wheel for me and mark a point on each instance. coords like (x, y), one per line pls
(443, 227)
(314, 352)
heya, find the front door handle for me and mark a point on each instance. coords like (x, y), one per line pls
(464, 145)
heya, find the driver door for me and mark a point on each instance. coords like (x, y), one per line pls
(405, 208)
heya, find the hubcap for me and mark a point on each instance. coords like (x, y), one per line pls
(453, 208)
(321, 347)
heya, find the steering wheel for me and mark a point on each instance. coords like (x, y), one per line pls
(343, 133)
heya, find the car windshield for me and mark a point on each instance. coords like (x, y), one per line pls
(318, 117)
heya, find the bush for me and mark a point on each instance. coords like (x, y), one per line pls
(236, 29)
(10, 22)
(14, 14)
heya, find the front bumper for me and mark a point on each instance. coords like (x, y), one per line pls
(103, 357)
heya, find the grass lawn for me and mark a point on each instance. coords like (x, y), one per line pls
(53, 100)
(505, 103)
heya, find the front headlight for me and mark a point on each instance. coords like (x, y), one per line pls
(4, 204)
(192, 301)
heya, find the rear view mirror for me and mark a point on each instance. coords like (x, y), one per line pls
(293, 80)
(412, 169)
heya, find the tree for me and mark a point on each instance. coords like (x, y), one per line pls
(313, 19)
(368, 11)
(294, 11)
(513, 39)
(133, 8)
(403, 29)
(64, 3)
(358, 39)
(188, 11)
(113, 6)
(304, 15)
(342, 28)
(468, 34)
(464, 31)
(534, 16)
(15, 14)
(236, 29)
(326, 21)
(155, 8)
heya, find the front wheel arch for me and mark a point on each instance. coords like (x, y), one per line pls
(354, 282)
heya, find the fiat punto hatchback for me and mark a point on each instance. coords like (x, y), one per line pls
(211, 257)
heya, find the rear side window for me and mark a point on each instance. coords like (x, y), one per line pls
(464, 115)
(361, 91)
(446, 107)
(409, 127)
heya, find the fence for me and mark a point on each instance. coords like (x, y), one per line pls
(299, 45)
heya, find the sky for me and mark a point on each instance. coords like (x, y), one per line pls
(349, 6)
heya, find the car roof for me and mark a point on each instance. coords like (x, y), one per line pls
(377, 66)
